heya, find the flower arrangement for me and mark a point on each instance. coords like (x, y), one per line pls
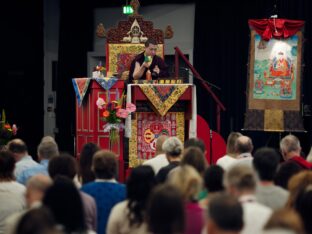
(99, 71)
(6, 130)
(113, 114)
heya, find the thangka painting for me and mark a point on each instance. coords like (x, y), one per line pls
(274, 85)
(145, 130)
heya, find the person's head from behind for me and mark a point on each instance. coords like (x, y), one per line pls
(18, 147)
(188, 181)
(225, 215)
(150, 47)
(64, 165)
(285, 172)
(87, 152)
(265, 162)
(64, 201)
(194, 157)
(37, 221)
(7, 165)
(139, 186)
(296, 184)
(165, 212)
(195, 142)
(230, 144)
(290, 146)
(239, 180)
(303, 205)
(285, 219)
(173, 148)
(243, 144)
(159, 143)
(213, 179)
(104, 164)
(47, 150)
(36, 187)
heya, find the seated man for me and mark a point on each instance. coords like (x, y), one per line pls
(147, 65)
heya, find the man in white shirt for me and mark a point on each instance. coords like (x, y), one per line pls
(240, 181)
(160, 160)
(230, 156)
(243, 148)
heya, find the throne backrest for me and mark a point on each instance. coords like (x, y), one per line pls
(126, 41)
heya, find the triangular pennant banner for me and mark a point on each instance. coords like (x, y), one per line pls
(106, 83)
(163, 97)
(81, 86)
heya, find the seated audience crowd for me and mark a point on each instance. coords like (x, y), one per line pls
(248, 191)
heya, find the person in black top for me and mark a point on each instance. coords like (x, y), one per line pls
(147, 65)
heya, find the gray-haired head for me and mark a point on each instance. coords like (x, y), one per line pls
(173, 147)
(47, 150)
(48, 139)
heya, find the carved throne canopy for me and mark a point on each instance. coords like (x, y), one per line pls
(125, 41)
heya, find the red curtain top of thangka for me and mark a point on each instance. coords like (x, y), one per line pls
(276, 28)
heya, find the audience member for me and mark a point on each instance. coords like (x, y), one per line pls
(105, 189)
(86, 175)
(225, 215)
(285, 172)
(285, 220)
(66, 165)
(297, 183)
(128, 217)
(173, 148)
(165, 212)
(189, 182)
(243, 148)
(230, 157)
(195, 142)
(291, 149)
(64, 201)
(12, 194)
(240, 181)
(23, 160)
(194, 157)
(36, 187)
(47, 149)
(160, 160)
(213, 181)
(265, 162)
(37, 221)
(303, 205)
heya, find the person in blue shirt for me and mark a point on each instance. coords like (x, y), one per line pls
(105, 190)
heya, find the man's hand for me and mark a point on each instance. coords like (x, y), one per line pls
(146, 64)
(156, 69)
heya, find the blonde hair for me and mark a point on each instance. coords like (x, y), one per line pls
(187, 180)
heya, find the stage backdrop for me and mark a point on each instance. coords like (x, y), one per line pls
(274, 80)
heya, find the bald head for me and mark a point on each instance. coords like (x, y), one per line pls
(159, 142)
(243, 144)
(36, 187)
(18, 148)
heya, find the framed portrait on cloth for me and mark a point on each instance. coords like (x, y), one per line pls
(274, 84)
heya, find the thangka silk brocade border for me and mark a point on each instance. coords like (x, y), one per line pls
(163, 97)
(146, 128)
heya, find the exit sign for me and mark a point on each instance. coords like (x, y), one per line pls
(127, 10)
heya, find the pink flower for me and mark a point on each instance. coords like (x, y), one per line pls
(100, 103)
(130, 107)
(122, 113)
(14, 129)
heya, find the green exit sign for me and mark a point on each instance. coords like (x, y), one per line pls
(127, 10)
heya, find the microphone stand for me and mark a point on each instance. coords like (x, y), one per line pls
(207, 82)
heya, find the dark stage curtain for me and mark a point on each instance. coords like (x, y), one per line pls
(221, 47)
(76, 37)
